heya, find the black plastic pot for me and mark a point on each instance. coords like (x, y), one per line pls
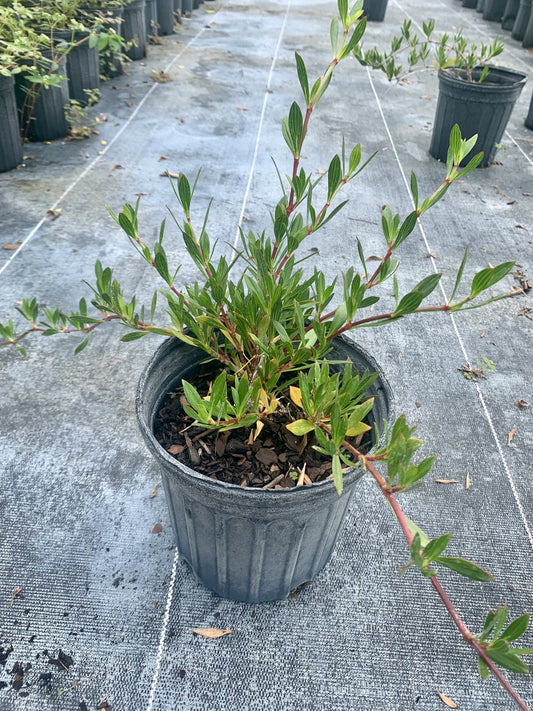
(134, 28)
(527, 41)
(11, 153)
(493, 10)
(46, 120)
(483, 108)
(470, 4)
(165, 16)
(374, 10)
(247, 544)
(150, 17)
(529, 119)
(187, 7)
(480, 5)
(522, 19)
(83, 69)
(510, 13)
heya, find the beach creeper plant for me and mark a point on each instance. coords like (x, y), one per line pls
(270, 328)
(440, 51)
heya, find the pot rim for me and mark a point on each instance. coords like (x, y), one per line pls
(349, 477)
(514, 75)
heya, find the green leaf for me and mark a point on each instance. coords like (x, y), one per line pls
(483, 668)
(516, 629)
(337, 473)
(334, 36)
(295, 125)
(508, 660)
(300, 427)
(184, 192)
(302, 76)
(334, 176)
(407, 227)
(414, 189)
(488, 277)
(133, 336)
(466, 568)
(436, 546)
(82, 345)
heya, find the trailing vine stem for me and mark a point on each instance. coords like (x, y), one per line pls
(366, 462)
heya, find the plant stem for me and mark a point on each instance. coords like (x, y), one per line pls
(448, 604)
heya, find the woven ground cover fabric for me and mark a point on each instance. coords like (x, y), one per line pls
(95, 607)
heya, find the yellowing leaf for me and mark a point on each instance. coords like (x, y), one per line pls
(357, 429)
(510, 436)
(296, 395)
(467, 482)
(300, 427)
(449, 703)
(258, 427)
(210, 632)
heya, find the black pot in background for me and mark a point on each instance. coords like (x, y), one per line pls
(83, 67)
(480, 5)
(187, 7)
(494, 10)
(510, 13)
(150, 17)
(529, 119)
(470, 4)
(165, 16)
(11, 151)
(483, 108)
(134, 28)
(178, 9)
(527, 40)
(47, 120)
(522, 19)
(247, 544)
(374, 10)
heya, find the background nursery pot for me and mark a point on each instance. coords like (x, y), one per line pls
(248, 544)
(11, 152)
(477, 107)
(375, 9)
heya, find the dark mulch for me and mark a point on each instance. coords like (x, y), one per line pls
(275, 459)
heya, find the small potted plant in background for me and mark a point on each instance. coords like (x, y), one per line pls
(475, 95)
(257, 371)
(374, 10)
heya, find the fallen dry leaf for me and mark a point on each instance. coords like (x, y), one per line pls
(16, 591)
(320, 171)
(176, 449)
(54, 214)
(467, 482)
(445, 700)
(10, 246)
(157, 528)
(446, 481)
(163, 158)
(160, 76)
(522, 404)
(168, 174)
(210, 632)
(154, 491)
(510, 436)
(117, 166)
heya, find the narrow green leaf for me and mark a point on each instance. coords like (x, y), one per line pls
(334, 176)
(508, 661)
(134, 336)
(516, 629)
(436, 546)
(337, 473)
(466, 568)
(483, 668)
(82, 345)
(414, 189)
(302, 77)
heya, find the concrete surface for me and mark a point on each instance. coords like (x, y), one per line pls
(75, 530)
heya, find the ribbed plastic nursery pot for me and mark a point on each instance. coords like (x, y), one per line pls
(522, 19)
(11, 152)
(527, 40)
(374, 10)
(529, 118)
(477, 107)
(134, 28)
(471, 4)
(150, 17)
(47, 120)
(242, 543)
(494, 9)
(510, 13)
(83, 68)
(480, 5)
(165, 16)
(187, 6)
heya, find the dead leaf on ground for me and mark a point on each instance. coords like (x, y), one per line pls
(445, 700)
(10, 246)
(510, 436)
(176, 449)
(522, 404)
(242, 108)
(467, 482)
(154, 491)
(320, 171)
(168, 174)
(54, 214)
(160, 76)
(117, 166)
(16, 591)
(163, 158)
(210, 632)
(446, 481)
(157, 528)
(181, 120)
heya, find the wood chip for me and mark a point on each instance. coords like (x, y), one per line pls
(176, 449)
(16, 591)
(154, 491)
(445, 700)
(272, 484)
(210, 632)
(157, 528)
(510, 436)
(10, 246)
(446, 481)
